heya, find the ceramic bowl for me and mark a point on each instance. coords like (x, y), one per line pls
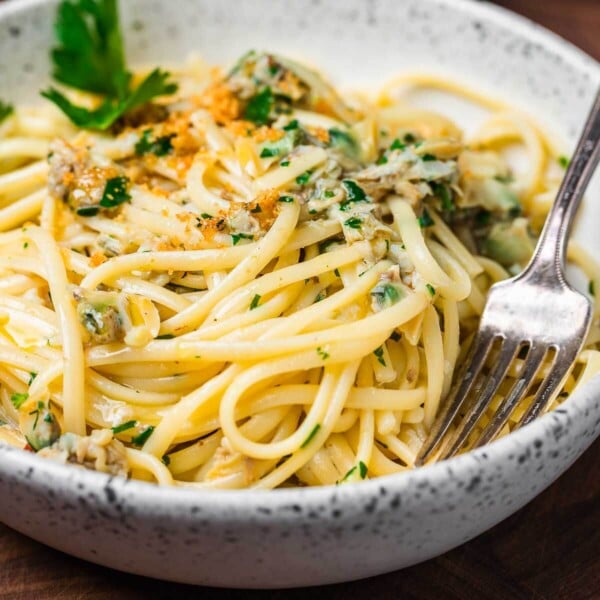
(313, 536)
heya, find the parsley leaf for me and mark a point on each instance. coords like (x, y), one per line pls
(425, 219)
(124, 426)
(115, 192)
(286, 199)
(142, 438)
(354, 193)
(18, 400)
(156, 84)
(236, 237)
(563, 161)
(324, 355)
(259, 107)
(90, 56)
(5, 110)
(378, 352)
(255, 301)
(353, 222)
(430, 289)
(311, 435)
(160, 146)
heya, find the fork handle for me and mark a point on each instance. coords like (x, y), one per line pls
(549, 257)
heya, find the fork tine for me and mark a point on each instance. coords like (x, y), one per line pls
(559, 370)
(474, 361)
(533, 362)
(490, 386)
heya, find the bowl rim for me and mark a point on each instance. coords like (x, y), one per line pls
(157, 497)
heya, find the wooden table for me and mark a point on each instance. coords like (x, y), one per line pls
(548, 550)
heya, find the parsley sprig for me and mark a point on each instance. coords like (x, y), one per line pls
(5, 110)
(90, 57)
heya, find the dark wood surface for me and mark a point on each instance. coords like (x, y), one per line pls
(548, 550)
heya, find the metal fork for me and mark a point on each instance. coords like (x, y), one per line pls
(536, 312)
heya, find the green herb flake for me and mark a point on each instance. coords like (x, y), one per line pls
(256, 209)
(115, 192)
(444, 193)
(428, 157)
(396, 337)
(293, 124)
(324, 355)
(286, 199)
(363, 469)
(328, 194)
(255, 301)
(32, 376)
(483, 218)
(378, 352)
(142, 438)
(382, 160)
(236, 237)
(160, 146)
(397, 145)
(348, 474)
(124, 427)
(425, 219)
(88, 211)
(354, 193)
(311, 435)
(563, 161)
(430, 289)
(206, 216)
(592, 288)
(268, 153)
(259, 107)
(284, 163)
(5, 110)
(18, 399)
(25, 245)
(353, 223)
(336, 272)
(409, 138)
(166, 459)
(304, 178)
(165, 336)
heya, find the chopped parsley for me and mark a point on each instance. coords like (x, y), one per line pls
(592, 288)
(165, 336)
(395, 336)
(425, 219)
(286, 199)
(328, 194)
(284, 163)
(324, 355)
(354, 193)
(255, 301)
(5, 110)
(428, 157)
(259, 107)
(88, 211)
(293, 124)
(343, 140)
(166, 459)
(430, 289)
(386, 294)
(362, 471)
(124, 427)
(18, 399)
(206, 216)
(268, 152)
(409, 138)
(90, 57)
(304, 178)
(236, 237)
(25, 245)
(444, 193)
(378, 352)
(563, 161)
(115, 192)
(397, 145)
(32, 376)
(142, 438)
(311, 435)
(160, 146)
(256, 209)
(353, 223)
(382, 160)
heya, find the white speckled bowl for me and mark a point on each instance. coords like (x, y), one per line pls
(313, 536)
